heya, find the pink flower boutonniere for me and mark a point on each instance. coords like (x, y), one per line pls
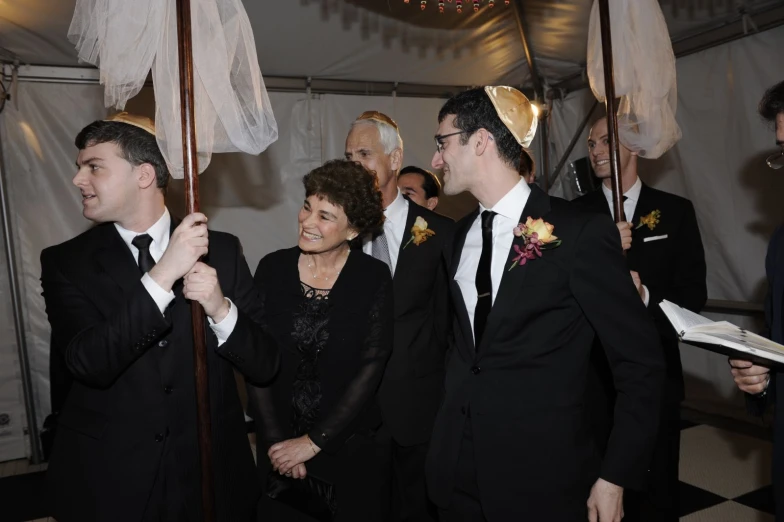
(537, 235)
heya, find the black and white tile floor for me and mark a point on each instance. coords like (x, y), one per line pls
(724, 472)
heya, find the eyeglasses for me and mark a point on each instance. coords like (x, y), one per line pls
(776, 160)
(441, 137)
(378, 116)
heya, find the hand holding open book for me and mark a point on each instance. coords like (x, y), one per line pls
(722, 336)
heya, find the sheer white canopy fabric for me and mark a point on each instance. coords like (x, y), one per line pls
(126, 39)
(644, 66)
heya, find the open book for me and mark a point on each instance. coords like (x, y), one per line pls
(722, 337)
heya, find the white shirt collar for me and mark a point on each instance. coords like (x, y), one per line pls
(158, 232)
(633, 194)
(397, 211)
(511, 206)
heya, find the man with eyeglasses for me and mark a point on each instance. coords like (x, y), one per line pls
(533, 279)
(763, 386)
(412, 244)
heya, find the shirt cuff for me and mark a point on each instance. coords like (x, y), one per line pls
(224, 328)
(647, 295)
(161, 297)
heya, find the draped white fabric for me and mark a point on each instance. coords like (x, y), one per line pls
(644, 66)
(232, 108)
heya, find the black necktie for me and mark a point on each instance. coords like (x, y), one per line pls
(143, 242)
(484, 283)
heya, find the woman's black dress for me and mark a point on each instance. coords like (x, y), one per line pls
(334, 347)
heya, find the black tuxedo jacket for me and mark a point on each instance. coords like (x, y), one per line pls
(132, 399)
(774, 320)
(672, 267)
(412, 386)
(524, 385)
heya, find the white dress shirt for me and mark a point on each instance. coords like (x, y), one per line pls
(396, 215)
(629, 207)
(160, 233)
(632, 197)
(508, 210)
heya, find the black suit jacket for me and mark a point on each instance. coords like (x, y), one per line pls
(413, 381)
(132, 400)
(524, 386)
(774, 321)
(672, 268)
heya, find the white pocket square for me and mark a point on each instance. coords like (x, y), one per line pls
(654, 238)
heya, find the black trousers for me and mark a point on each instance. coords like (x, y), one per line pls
(410, 502)
(465, 504)
(659, 502)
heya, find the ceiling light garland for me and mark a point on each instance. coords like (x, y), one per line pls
(458, 4)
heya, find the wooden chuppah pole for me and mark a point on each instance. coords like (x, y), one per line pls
(190, 166)
(612, 116)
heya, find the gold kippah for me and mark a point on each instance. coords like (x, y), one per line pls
(141, 122)
(515, 111)
(378, 116)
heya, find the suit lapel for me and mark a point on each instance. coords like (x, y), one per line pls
(115, 259)
(403, 254)
(537, 206)
(644, 206)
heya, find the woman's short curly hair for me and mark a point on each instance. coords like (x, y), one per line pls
(353, 188)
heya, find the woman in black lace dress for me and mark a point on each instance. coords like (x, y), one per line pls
(330, 310)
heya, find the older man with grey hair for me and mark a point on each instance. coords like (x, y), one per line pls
(412, 244)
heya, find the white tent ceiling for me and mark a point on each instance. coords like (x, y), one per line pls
(391, 41)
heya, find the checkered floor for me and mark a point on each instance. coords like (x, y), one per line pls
(725, 474)
(724, 471)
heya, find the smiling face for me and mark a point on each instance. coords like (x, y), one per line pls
(599, 151)
(364, 146)
(322, 226)
(455, 160)
(108, 183)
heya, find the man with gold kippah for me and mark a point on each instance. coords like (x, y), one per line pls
(117, 298)
(532, 278)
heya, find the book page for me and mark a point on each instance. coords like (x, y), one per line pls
(682, 319)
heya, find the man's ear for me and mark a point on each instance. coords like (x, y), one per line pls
(482, 140)
(146, 175)
(431, 203)
(396, 160)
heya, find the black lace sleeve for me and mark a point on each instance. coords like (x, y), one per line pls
(375, 353)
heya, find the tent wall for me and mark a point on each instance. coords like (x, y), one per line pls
(719, 165)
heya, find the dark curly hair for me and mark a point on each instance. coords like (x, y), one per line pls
(136, 145)
(351, 187)
(473, 110)
(772, 103)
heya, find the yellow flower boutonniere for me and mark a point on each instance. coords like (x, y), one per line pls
(420, 232)
(651, 220)
(537, 235)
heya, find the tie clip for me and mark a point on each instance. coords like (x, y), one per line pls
(486, 294)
